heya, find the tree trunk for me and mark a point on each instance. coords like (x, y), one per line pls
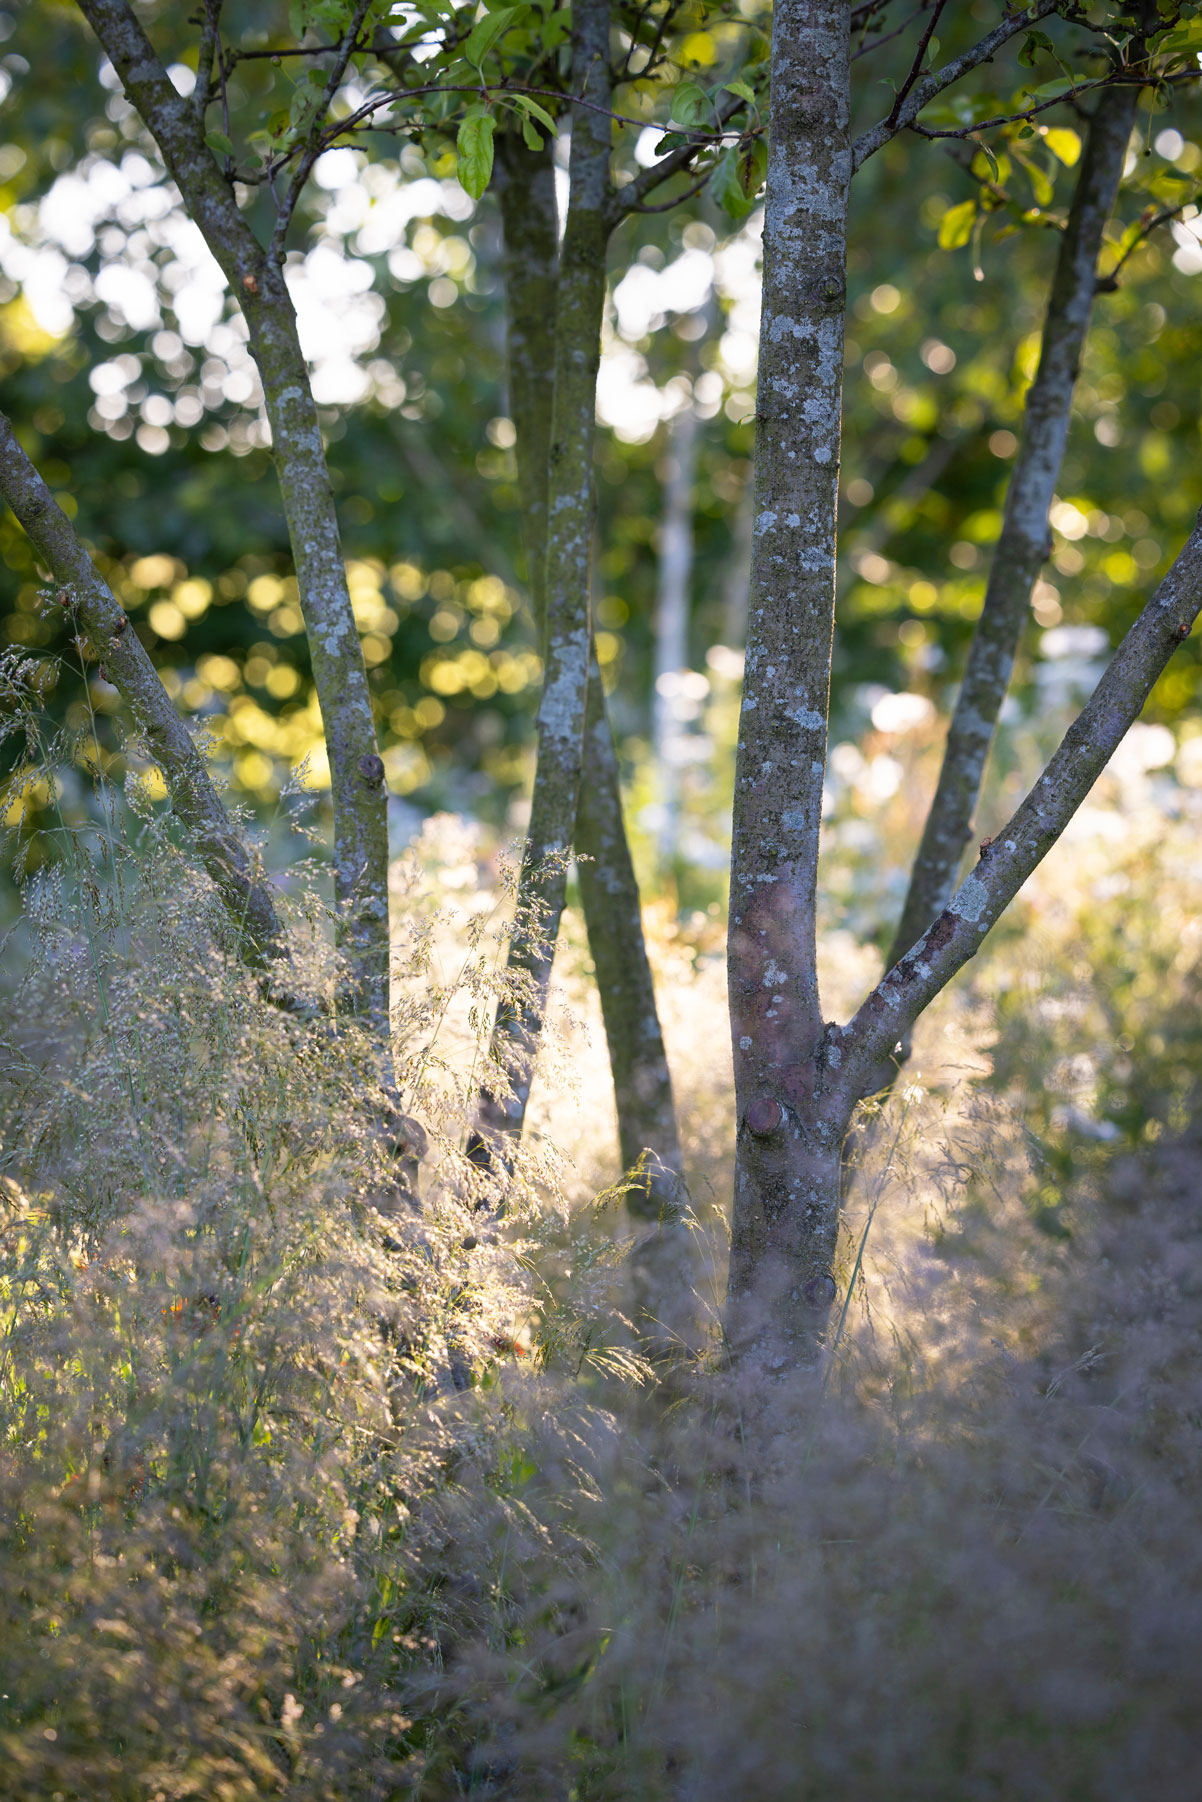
(1023, 545)
(648, 1140)
(736, 588)
(792, 1105)
(556, 484)
(95, 609)
(608, 890)
(339, 674)
(672, 623)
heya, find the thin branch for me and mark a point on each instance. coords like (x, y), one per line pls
(1022, 546)
(315, 145)
(656, 45)
(209, 46)
(1118, 78)
(101, 618)
(862, 16)
(1020, 846)
(667, 206)
(1107, 284)
(875, 43)
(915, 69)
(926, 90)
(629, 199)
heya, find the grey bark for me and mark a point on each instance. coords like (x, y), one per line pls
(256, 278)
(790, 1123)
(1005, 863)
(609, 891)
(105, 626)
(737, 587)
(1023, 545)
(672, 621)
(580, 301)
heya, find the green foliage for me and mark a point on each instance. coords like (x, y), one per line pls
(475, 145)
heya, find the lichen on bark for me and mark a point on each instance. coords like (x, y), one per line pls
(609, 893)
(340, 677)
(786, 1175)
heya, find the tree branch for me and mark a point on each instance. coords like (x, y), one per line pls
(1020, 846)
(925, 91)
(339, 674)
(629, 199)
(915, 69)
(315, 144)
(580, 308)
(105, 625)
(1022, 546)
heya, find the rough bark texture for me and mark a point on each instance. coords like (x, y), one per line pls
(609, 891)
(1023, 545)
(1006, 862)
(105, 625)
(791, 1117)
(566, 639)
(356, 770)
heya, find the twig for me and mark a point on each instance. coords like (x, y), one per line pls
(666, 206)
(916, 66)
(875, 43)
(1108, 283)
(926, 90)
(209, 47)
(316, 145)
(629, 199)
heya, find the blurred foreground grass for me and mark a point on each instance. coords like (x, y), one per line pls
(308, 1491)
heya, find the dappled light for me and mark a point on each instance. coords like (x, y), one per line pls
(601, 792)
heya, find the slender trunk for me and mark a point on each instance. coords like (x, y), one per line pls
(672, 623)
(580, 303)
(1005, 863)
(792, 1106)
(609, 892)
(647, 1136)
(104, 624)
(1023, 545)
(340, 678)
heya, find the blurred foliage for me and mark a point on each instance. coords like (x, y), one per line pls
(139, 402)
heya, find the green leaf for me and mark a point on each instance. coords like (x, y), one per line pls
(987, 153)
(1033, 43)
(742, 88)
(530, 137)
(690, 105)
(672, 141)
(219, 143)
(1184, 40)
(955, 228)
(490, 28)
(732, 174)
(533, 110)
(751, 162)
(1041, 186)
(475, 147)
(1063, 144)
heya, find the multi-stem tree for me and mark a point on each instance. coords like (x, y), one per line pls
(470, 76)
(799, 1078)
